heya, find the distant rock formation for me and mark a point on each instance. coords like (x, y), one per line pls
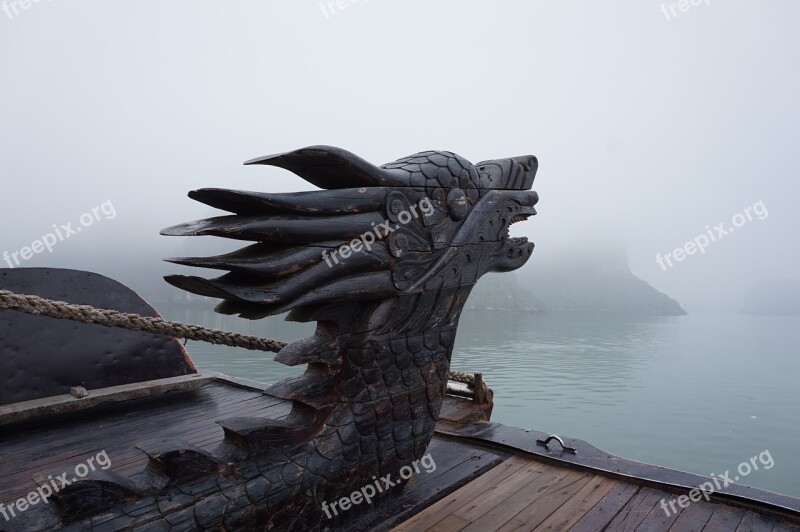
(573, 284)
(496, 292)
(774, 296)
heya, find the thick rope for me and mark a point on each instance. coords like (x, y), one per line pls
(134, 322)
(112, 318)
(460, 376)
(468, 379)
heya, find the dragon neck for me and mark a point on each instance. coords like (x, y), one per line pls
(377, 373)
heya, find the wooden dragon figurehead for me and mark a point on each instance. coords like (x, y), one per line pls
(383, 259)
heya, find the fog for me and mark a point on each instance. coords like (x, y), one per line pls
(651, 126)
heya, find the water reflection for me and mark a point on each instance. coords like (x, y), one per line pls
(540, 356)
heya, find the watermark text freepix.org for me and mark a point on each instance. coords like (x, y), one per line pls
(12, 7)
(670, 10)
(724, 480)
(366, 493)
(712, 234)
(54, 485)
(329, 7)
(59, 234)
(365, 240)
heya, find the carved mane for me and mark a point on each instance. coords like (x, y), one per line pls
(286, 268)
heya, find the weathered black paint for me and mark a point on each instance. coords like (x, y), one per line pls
(42, 357)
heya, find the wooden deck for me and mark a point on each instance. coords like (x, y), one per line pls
(57, 443)
(526, 494)
(488, 476)
(189, 415)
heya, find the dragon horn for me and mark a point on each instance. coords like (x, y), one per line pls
(330, 168)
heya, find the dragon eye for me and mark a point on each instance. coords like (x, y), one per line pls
(457, 204)
(396, 206)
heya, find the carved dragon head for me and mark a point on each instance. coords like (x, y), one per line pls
(422, 223)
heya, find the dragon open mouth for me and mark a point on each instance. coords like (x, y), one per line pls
(517, 240)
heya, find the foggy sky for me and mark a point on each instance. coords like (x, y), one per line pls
(647, 130)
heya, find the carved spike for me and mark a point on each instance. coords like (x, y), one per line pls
(196, 285)
(180, 460)
(267, 260)
(317, 348)
(331, 168)
(294, 229)
(313, 388)
(334, 202)
(354, 287)
(259, 435)
(242, 287)
(97, 491)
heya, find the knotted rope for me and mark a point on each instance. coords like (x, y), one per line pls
(62, 310)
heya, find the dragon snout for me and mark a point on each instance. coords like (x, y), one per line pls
(513, 173)
(528, 164)
(531, 199)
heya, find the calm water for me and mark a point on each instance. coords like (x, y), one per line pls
(700, 393)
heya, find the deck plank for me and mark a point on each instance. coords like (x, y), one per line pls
(604, 511)
(540, 509)
(782, 526)
(658, 520)
(457, 465)
(516, 499)
(755, 522)
(445, 507)
(451, 523)
(637, 509)
(693, 518)
(724, 518)
(579, 505)
(513, 494)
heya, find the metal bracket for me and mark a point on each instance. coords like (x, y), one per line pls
(560, 441)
